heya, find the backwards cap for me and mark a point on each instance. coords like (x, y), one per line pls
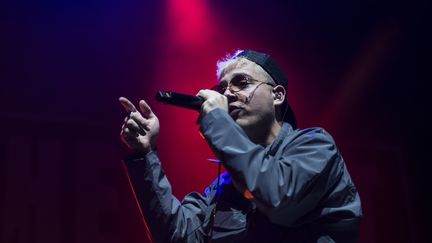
(269, 65)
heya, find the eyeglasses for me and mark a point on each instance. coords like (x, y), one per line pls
(238, 83)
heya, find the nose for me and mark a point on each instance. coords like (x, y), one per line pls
(227, 92)
(232, 97)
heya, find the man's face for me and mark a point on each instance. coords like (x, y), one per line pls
(252, 106)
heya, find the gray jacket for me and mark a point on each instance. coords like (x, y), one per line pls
(298, 190)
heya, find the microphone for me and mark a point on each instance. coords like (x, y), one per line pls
(182, 100)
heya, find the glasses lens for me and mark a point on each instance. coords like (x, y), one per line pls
(239, 84)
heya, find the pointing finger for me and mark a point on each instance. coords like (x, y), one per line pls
(129, 107)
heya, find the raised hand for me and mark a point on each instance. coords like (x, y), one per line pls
(140, 129)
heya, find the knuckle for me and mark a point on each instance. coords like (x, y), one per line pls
(133, 114)
(130, 122)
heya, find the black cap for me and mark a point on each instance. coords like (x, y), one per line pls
(269, 65)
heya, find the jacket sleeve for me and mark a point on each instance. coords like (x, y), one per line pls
(168, 219)
(285, 185)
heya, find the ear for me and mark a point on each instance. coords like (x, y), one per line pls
(279, 93)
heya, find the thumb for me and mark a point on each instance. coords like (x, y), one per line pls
(145, 109)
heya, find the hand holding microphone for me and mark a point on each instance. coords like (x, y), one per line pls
(212, 101)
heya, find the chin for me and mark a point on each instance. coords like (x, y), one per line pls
(253, 123)
(244, 122)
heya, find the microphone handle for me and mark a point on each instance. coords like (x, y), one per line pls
(182, 100)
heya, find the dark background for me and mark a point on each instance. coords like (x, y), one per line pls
(354, 68)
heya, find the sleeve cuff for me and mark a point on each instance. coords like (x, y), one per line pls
(141, 157)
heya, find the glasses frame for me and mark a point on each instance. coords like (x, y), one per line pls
(249, 80)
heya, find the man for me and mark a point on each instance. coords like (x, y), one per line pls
(282, 184)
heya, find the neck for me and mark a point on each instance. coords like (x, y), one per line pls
(264, 135)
